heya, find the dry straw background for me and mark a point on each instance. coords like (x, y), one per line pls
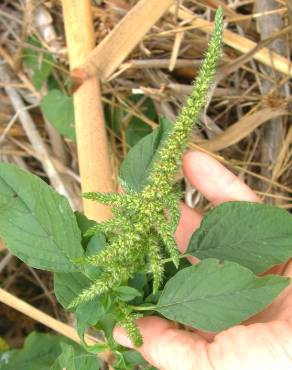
(150, 47)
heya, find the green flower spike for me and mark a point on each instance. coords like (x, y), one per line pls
(145, 221)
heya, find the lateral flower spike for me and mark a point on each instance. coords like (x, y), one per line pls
(144, 223)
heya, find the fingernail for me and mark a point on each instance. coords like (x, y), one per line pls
(121, 337)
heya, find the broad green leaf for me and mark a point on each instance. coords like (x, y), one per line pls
(213, 296)
(39, 353)
(36, 223)
(41, 63)
(127, 293)
(68, 286)
(135, 168)
(73, 358)
(59, 111)
(254, 235)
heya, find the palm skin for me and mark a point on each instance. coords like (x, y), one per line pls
(262, 343)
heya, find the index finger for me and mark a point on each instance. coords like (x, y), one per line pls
(215, 181)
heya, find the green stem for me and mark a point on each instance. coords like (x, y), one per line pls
(145, 308)
(170, 259)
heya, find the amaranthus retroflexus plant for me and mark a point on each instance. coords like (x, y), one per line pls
(145, 221)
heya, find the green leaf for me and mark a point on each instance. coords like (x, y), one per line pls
(95, 245)
(83, 222)
(127, 293)
(139, 161)
(134, 358)
(137, 128)
(39, 353)
(68, 286)
(138, 281)
(213, 296)
(75, 358)
(107, 323)
(88, 314)
(36, 223)
(257, 236)
(40, 62)
(59, 111)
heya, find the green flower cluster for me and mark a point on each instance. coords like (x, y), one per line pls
(142, 228)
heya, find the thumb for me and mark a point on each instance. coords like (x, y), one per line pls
(166, 347)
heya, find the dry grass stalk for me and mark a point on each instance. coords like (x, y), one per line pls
(48, 321)
(241, 129)
(241, 44)
(115, 48)
(93, 155)
(273, 131)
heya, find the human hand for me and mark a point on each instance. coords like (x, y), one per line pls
(262, 343)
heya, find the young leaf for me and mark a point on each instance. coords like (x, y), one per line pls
(36, 223)
(95, 245)
(107, 323)
(126, 293)
(75, 358)
(41, 63)
(83, 222)
(213, 296)
(134, 358)
(137, 128)
(68, 286)
(59, 111)
(137, 165)
(39, 353)
(88, 314)
(254, 235)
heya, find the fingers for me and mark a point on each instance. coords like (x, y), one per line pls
(166, 347)
(215, 181)
(190, 220)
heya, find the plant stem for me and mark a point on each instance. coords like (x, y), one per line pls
(141, 308)
(165, 260)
